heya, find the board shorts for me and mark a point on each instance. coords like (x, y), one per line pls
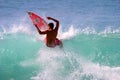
(57, 43)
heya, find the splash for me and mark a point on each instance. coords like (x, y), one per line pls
(64, 65)
(68, 34)
(16, 29)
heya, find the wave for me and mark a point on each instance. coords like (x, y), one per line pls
(65, 65)
(62, 34)
(87, 54)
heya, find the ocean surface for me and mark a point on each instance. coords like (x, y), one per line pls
(89, 30)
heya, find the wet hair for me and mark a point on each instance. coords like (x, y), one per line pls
(51, 25)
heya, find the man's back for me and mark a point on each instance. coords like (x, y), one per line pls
(51, 37)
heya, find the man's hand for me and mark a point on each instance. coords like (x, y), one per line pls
(35, 25)
(57, 22)
(48, 17)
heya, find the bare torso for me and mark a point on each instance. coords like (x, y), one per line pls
(51, 37)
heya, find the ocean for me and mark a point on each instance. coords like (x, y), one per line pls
(89, 30)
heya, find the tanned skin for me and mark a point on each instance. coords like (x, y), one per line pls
(51, 33)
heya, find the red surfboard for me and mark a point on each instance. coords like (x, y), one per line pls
(39, 21)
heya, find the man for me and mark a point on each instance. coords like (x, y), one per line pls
(51, 33)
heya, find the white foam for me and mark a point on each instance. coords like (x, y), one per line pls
(102, 72)
(93, 71)
(110, 30)
(88, 30)
(46, 55)
(20, 28)
(81, 69)
(71, 32)
(50, 60)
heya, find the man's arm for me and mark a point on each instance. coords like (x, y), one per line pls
(40, 32)
(57, 22)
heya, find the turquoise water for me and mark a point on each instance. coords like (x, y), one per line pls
(89, 30)
(84, 57)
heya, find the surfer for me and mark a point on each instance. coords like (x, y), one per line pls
(51, 33)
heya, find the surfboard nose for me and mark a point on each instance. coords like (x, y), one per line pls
(30, 13)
